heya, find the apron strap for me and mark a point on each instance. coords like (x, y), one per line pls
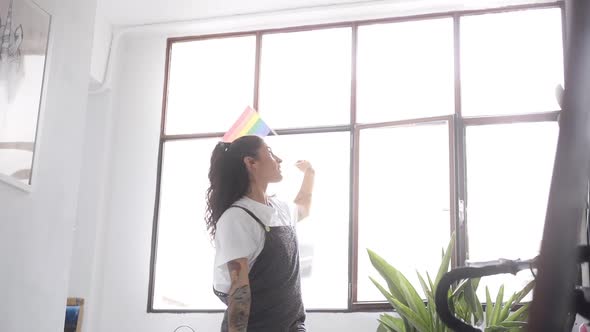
(266, 228)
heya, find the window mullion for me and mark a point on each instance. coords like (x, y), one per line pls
(460, 215)
(459, 203)
(354, 176)
(257, 69)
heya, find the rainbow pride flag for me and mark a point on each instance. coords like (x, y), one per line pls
(249, 123)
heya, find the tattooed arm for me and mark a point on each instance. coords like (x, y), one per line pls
(239, 296)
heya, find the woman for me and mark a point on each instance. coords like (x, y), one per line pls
(257, 258)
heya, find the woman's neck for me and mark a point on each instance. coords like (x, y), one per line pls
(258, 193)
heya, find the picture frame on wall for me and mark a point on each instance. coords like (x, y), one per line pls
(24, 42)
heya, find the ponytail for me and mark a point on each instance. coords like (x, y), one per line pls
(228, 177)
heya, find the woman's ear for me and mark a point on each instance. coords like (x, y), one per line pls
(249, 163)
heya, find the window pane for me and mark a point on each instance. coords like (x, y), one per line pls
(305, 78)
(511, 62)
(210, 84)
(509, 169)
(403, 201)
(184, 269)
(405, 70)
(323, 237)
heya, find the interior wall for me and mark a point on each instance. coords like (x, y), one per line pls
(36, 229)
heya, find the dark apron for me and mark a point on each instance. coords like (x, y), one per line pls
(275, 283)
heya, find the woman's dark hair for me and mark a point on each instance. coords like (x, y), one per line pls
(228, 177)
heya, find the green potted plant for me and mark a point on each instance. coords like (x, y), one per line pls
(419, 315)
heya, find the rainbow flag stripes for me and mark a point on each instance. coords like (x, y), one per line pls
(249, 123)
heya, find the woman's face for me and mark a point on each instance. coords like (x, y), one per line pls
(268, 165)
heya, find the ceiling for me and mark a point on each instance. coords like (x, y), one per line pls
(136, 12)
(141, 12)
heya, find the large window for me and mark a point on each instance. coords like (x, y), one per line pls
(417, 128)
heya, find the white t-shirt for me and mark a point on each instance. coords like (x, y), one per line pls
(238, 235)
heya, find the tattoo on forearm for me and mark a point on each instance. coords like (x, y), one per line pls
(239, 309)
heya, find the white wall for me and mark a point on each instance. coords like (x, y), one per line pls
(88, 249)
(36, 229)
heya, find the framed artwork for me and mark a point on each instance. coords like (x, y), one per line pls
(24, 38)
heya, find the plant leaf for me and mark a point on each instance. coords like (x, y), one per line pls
(439, 325)
(391, 301)
(444, 265)
(427, 291)
(414, 301)
(524, 292)
(430, 282)
(506, 309)
(406, 293)
(473, 301)
(382, 290)
(392, 323)
(514, 324)
(389, 274)
(430, 299)
(498, 306)
(411, 316)
(489, 308)
(496, 328)
(384, 328)
(461, 287)
(519, 314)
(461, 308)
